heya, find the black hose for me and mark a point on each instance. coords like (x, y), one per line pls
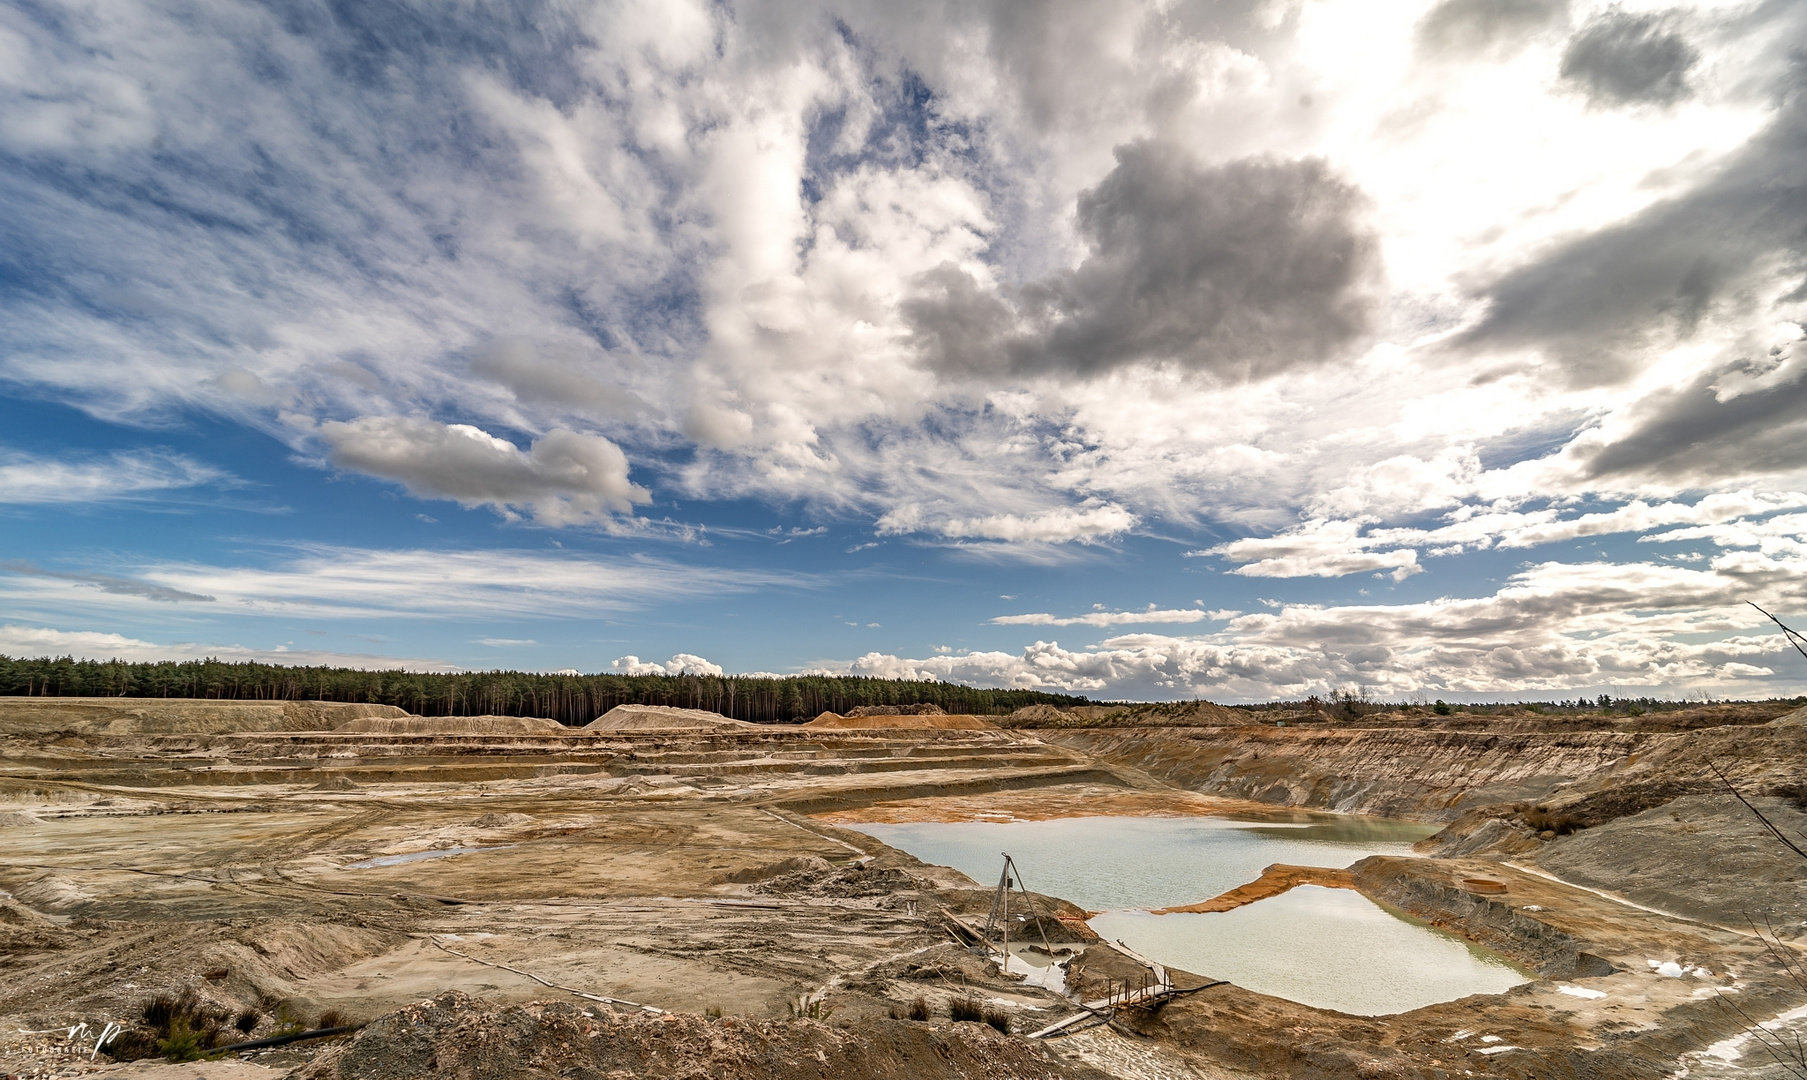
(284, 1040)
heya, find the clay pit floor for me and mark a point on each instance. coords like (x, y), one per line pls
(700, 872)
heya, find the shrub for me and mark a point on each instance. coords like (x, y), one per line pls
(179, 1027)
(919, 1008)
(247, 1021)
(999, 1019)
(966, 1009)
(1541, 819)
(1441, 708)
(333, 1018)
(808, 1008)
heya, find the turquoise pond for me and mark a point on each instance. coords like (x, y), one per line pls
(1329, 948)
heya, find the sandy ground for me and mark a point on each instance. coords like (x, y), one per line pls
(698, 873)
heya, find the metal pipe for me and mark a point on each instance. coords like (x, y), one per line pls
(284, 1040)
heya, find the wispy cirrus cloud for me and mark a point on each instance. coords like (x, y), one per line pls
(320, 582)
(1114, 618)
(109, 583)
(39, 641)
(1333, 548)
(31, 479)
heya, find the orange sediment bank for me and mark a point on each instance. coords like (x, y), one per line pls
(1273, 881)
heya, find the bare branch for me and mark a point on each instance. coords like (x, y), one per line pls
(1793, 638)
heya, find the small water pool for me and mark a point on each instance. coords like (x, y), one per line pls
(1330, 948)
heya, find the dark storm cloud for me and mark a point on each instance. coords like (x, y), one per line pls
(1622, 59)
(1241, 270)
(1599, 303)
(1469, 26)
(1691, 434)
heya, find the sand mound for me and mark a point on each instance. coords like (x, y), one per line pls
(1038, 715)
(173, 716)
(454, 1035)
(454, 725)
(661, 718)
(1797, 718)
(862, 711)
(938, 722)
(814, 864)
(13, 819)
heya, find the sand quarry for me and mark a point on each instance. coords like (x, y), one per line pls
(672, 892)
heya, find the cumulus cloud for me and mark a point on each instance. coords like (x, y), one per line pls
(1316, 549)
(679, 664)
(27, 479)
(564, 478)
(1002, 276)
(1622, 58)
(1552, 627)
(1242, 270)
(798, 236)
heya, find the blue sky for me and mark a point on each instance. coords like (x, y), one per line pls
(1450, 349)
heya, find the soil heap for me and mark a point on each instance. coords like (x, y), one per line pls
(663, 718)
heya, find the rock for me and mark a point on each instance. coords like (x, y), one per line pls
(501, 821)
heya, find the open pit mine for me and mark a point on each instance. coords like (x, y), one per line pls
(328, 891)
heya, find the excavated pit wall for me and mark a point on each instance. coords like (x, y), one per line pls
(1433, 775)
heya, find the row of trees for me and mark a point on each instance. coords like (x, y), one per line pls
(569, 699)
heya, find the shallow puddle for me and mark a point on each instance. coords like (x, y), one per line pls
(1330, 948)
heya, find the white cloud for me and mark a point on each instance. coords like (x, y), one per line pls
(1051, 526)
(620, 246)
(38, 641)
(1551, 630)
(564, 478)
(29, 479)
(1331, 548)
(679, 664)
(691, 234)
(318, 582)
(1112, 618)
(1553, 627)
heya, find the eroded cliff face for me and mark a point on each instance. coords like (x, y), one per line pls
(1427, 774)
(1642, 814)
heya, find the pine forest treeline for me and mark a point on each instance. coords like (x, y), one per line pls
(569, 699)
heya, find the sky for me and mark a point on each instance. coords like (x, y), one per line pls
(1242, 350)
